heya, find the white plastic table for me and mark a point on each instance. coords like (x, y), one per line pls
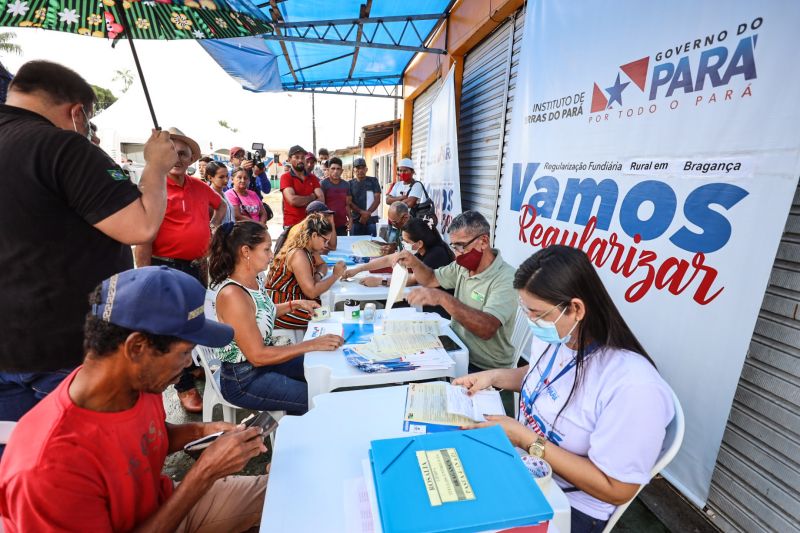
(327, 371)
(316, 455)
(345, 290)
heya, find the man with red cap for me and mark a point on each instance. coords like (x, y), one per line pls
(299, 188)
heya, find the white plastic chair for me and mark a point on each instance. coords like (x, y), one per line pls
(672, 443)
(521, 341)
(521, 337)
(212, 395)
(295, 335)
(6, 427)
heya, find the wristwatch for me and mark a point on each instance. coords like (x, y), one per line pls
(537, 447)
(385, 282)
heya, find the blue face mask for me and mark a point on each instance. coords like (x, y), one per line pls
(546, 331)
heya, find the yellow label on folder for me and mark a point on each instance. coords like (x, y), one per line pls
(444, 476)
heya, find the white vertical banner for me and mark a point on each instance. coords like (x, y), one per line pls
(663, 142)
(442, 179)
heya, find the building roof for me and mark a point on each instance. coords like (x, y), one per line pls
(372, 134)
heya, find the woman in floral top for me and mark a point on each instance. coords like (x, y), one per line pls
(255, 374)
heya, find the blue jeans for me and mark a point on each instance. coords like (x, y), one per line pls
(20, 391)
(280, 387)
(370, 228)
(583, 523)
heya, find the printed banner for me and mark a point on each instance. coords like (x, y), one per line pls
(441, 166)
(662, 141)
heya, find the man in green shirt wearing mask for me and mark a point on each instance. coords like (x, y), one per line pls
(482, 308)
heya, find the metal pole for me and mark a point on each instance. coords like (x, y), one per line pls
(124, 18)
(313, 125)
(355, 112)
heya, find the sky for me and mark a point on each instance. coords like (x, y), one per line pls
(191, 92)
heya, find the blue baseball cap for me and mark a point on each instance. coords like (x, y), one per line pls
(161, 301)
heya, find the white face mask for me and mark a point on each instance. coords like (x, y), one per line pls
(408, 247)
(88, 125)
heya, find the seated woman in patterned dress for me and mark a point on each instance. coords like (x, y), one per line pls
(255, 373)
(293, 275)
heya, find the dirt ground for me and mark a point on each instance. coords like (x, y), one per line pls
(179, 463)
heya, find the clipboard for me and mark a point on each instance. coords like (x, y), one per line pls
(488, 467)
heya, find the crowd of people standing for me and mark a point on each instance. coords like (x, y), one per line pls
(92, 343)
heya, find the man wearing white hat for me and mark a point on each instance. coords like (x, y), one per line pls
(406, 189)
(184, 235)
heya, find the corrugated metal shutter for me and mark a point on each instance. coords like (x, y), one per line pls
(519, 22)
(481, 121)
(756, 483)
(420, 123)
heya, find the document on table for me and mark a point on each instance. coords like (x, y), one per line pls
(383, 346)
(430, 403)
(357, 507)
(367, 248)
(485, 402)
(397, 285)
(426, 403)
(412, 327)
(323, 328)
(433, 359)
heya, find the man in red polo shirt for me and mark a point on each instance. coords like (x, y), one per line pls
(298, 188)
(184, 235)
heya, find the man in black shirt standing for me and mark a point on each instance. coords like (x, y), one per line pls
(68, 216)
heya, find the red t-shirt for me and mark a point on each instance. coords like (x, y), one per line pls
(184, 233)
(305, 187)
(69, 468)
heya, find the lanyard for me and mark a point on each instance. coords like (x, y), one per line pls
(543, 384)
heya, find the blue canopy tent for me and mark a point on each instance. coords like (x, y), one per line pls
(358, 48)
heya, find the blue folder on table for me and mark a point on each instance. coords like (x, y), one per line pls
(504, 494)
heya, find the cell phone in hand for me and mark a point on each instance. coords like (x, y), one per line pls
(264, 420)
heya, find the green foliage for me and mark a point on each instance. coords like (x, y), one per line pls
(125, 77)
(224, 124)
(104, 98)
(6, 44)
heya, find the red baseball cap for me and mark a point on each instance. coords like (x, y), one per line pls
(235, 150)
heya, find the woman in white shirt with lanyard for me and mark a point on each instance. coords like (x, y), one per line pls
(593, 404)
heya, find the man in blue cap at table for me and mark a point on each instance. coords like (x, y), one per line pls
(89, 456)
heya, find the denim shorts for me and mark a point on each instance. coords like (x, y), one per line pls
(280, 387)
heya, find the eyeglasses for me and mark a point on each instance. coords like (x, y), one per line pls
(538, 320)
(459, 247)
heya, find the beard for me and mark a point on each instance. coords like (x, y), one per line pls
(300, 167)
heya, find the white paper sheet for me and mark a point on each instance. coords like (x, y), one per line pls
(357, 508)
(485, 402)
(412, 327)
(397, 285)
(317, 329)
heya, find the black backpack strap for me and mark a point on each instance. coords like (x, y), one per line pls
(427, 196)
